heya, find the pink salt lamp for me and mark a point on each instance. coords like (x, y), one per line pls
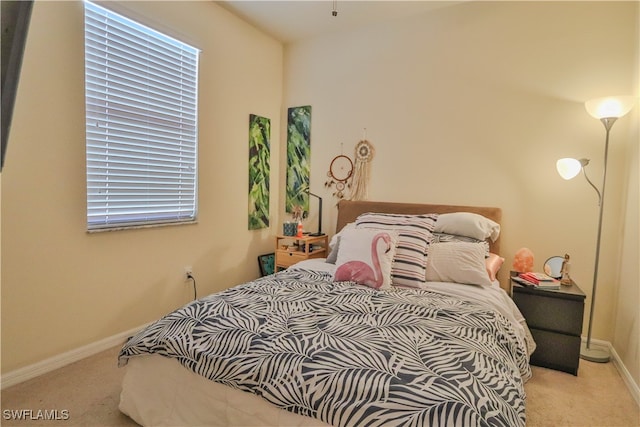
(523, 260)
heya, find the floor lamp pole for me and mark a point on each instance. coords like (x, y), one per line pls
(586, 351)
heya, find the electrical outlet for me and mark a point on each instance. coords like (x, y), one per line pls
(188, 271)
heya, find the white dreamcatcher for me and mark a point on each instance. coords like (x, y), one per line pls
(360, 184)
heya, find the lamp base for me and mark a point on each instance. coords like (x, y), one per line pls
(593, 354)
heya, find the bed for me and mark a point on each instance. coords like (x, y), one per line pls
(364, 337)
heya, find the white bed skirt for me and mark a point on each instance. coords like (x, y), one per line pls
(159, 391)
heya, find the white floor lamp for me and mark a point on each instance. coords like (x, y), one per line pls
(607, 110)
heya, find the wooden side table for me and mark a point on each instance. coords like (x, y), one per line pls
(292, 249)
(555, 320)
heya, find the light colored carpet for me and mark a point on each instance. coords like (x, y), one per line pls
(596, 397)
(90, 389)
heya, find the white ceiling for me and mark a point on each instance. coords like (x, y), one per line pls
(294, 20)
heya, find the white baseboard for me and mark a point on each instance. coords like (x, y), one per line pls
(622, 369)
(28, 372)
(626, 376)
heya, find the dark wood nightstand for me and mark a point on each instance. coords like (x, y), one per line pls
(555, 320)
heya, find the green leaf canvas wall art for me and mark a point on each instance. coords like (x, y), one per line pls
(259, 171)
(298, 157)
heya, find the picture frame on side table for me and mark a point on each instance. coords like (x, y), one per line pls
(267, 263)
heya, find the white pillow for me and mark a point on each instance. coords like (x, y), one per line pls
(334, 243)
(468, 224)
(334, 240)
(459, 262)
(365, 257)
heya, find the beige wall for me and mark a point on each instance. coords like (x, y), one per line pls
(626, 339)
(63, 288)
(627, 311)
(473, 104)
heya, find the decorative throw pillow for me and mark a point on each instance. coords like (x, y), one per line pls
(365, 257)
(458, 262)
(414, 236)
(493, 263)
(468, 224)
(334, 243)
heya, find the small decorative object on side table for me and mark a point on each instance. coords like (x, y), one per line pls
(293, 249)
(565, 279)
(555, 320)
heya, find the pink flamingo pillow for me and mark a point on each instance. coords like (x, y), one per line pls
(365, 257)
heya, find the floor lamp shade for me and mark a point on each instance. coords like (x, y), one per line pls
(612, 106)
(569, 168)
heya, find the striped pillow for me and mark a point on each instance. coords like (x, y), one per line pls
(414, 236)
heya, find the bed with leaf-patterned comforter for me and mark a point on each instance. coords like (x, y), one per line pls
(348, 355)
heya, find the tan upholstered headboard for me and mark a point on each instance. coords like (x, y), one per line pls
(348, 211)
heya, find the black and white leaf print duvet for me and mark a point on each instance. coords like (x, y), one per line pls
(350, 355)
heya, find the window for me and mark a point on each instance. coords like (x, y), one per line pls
(141, 124)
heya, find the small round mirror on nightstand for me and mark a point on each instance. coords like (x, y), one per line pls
(553, 266)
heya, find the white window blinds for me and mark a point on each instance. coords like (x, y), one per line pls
(141, 123)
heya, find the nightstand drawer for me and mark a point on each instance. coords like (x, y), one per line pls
(556, 351)
(286, 259)
(550, 313)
